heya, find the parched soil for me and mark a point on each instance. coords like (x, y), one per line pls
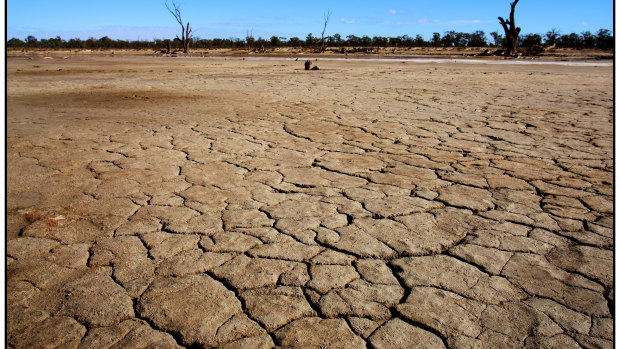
(161, 202)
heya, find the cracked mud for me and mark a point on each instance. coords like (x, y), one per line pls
(250, 204)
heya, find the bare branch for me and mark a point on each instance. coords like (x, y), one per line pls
(513, 4)
(326, 17)
(504, 24)
(512, 12)
(176, 13)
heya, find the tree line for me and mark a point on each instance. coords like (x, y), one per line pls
(602, 39)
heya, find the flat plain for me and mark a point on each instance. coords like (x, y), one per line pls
(192, 202)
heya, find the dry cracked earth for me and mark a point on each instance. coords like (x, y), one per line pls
(166, 203)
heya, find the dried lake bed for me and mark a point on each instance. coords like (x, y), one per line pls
(156, 202)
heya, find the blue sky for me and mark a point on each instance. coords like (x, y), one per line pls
(149, 19)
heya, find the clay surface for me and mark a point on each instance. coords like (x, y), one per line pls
(165, 203)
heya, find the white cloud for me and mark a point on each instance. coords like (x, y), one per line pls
(393, 12)
(465, 21)
(584, 23)
(349, 20)
(419, 21)
(461, 22)
(438, 22)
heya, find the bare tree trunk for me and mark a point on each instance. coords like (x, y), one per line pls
(186, 31)
(249, 39)
(511, 30)
(186, 38)
(326, 17)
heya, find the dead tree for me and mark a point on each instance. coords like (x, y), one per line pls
(186, 31)
(249, 39)
(511, 30)
(326, 17)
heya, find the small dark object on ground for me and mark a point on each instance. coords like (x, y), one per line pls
(315, 68)
(307, 65)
